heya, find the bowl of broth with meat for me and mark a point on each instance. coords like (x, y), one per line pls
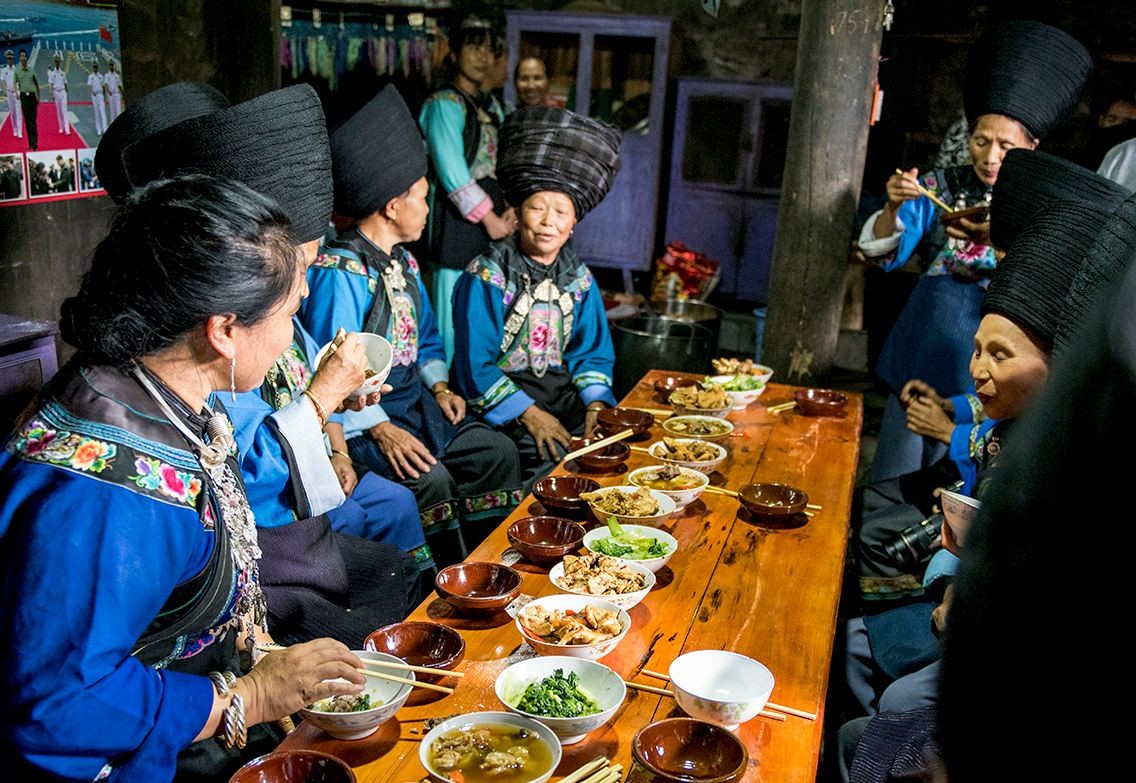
(682, 485)
(490, 747)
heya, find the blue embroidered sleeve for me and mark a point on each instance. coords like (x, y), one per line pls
(590, 356)
(964, 451)
(477, 339)
(968, 410)
(442, 120)
(87, 567)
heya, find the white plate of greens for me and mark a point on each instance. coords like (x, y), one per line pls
(571, 696)
(647, 546)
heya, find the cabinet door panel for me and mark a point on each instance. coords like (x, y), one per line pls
(757, 256)
(616, 232)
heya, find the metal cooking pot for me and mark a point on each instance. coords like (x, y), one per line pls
(648, 342)
(690, 311)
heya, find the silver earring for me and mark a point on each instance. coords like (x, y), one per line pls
(233, 378)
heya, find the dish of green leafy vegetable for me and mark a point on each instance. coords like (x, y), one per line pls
(558, 696)
(743, 383)
(628, 544)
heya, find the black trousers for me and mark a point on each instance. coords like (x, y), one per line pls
(29, 103)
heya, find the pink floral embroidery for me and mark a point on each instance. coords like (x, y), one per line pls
(173, 483)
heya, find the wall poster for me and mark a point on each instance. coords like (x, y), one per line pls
(60, 86)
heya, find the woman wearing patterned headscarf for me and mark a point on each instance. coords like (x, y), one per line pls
(532, 352)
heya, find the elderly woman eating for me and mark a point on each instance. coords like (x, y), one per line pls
(129, 548)
(532, 351)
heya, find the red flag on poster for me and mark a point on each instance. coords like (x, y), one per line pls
(105, 35)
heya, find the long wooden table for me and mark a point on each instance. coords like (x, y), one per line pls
(735, 583)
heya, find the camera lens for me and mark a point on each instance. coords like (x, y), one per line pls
(916, 543)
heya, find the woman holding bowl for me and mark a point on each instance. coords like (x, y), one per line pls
(532, 351)
(1022, 80)
(129, 549)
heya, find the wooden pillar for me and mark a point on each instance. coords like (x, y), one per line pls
(234, 46)
(837, 57)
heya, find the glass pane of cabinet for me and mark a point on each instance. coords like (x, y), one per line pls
(561, 55)
(715, 131)
(621, 81)
(772, 142)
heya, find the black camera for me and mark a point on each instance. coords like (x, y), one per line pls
(916, 543)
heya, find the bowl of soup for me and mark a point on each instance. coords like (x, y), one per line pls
(359, 715)
(682, 485)
(490, 747)
(379, 354)
(699, 427)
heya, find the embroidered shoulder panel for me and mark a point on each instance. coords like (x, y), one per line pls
(446, 94)
(53, 437)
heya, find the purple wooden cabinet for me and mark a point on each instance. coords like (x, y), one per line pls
(27, 362)
(612, 67)
(725, 179)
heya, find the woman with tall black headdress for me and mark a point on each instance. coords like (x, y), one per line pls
(532, 351)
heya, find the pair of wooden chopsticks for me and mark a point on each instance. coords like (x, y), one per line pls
(784, 406)
(659, 412)
(595, 771)
(764, 713)
(599, 444)
(938, 202)
(406, 667)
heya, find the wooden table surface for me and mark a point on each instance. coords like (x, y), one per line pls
(735, 583)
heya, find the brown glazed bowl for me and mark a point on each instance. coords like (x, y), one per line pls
(608, 458)
(561, 494)
(773, 500)
(420, 644)
(665, 386)
(819, 402)
(478, 587)
(613, 421)
(294, 766)
(545, 539)
(685, 750)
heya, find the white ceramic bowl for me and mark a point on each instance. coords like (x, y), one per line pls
(380, 354)
(762, 373)
(472, 719)
(678, 427)
(605, 687)
(741, 398)
(681, 497)
(666, 507)
(356, 725)
(719, 686)
(658, 451)
(575, 603)
(652, 564)
(623, 600)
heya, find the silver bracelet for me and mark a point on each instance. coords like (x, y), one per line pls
(234, 732)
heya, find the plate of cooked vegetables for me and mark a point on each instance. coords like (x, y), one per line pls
(629, 504)
(571, 696)
(622, 582)
(704, 399)
(689, 453)
(741, 389)
(647, 546)
(725, 365)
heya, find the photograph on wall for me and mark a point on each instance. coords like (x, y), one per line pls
(88, 178)
(12, 178)
(61, 85)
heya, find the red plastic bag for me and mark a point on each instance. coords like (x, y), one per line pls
(683, 273)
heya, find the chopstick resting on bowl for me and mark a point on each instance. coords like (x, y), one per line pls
(599, 444)
(413, 683)
(720, 491)
(660, 412)
(665, 692)
(769, 704)
(938, 202)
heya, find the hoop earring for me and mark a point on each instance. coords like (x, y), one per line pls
(233, 379)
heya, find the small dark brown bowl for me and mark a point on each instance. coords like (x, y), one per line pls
(819, 402)
(664, 387)
(561, 494)
(773, 500)
(613, 421)
(686, 750)
(606, 459)
(420, 644)
(294, 766)
(545, 539)
(478, 587)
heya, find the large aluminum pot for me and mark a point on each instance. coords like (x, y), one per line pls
(648, 342)
(689, 311)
